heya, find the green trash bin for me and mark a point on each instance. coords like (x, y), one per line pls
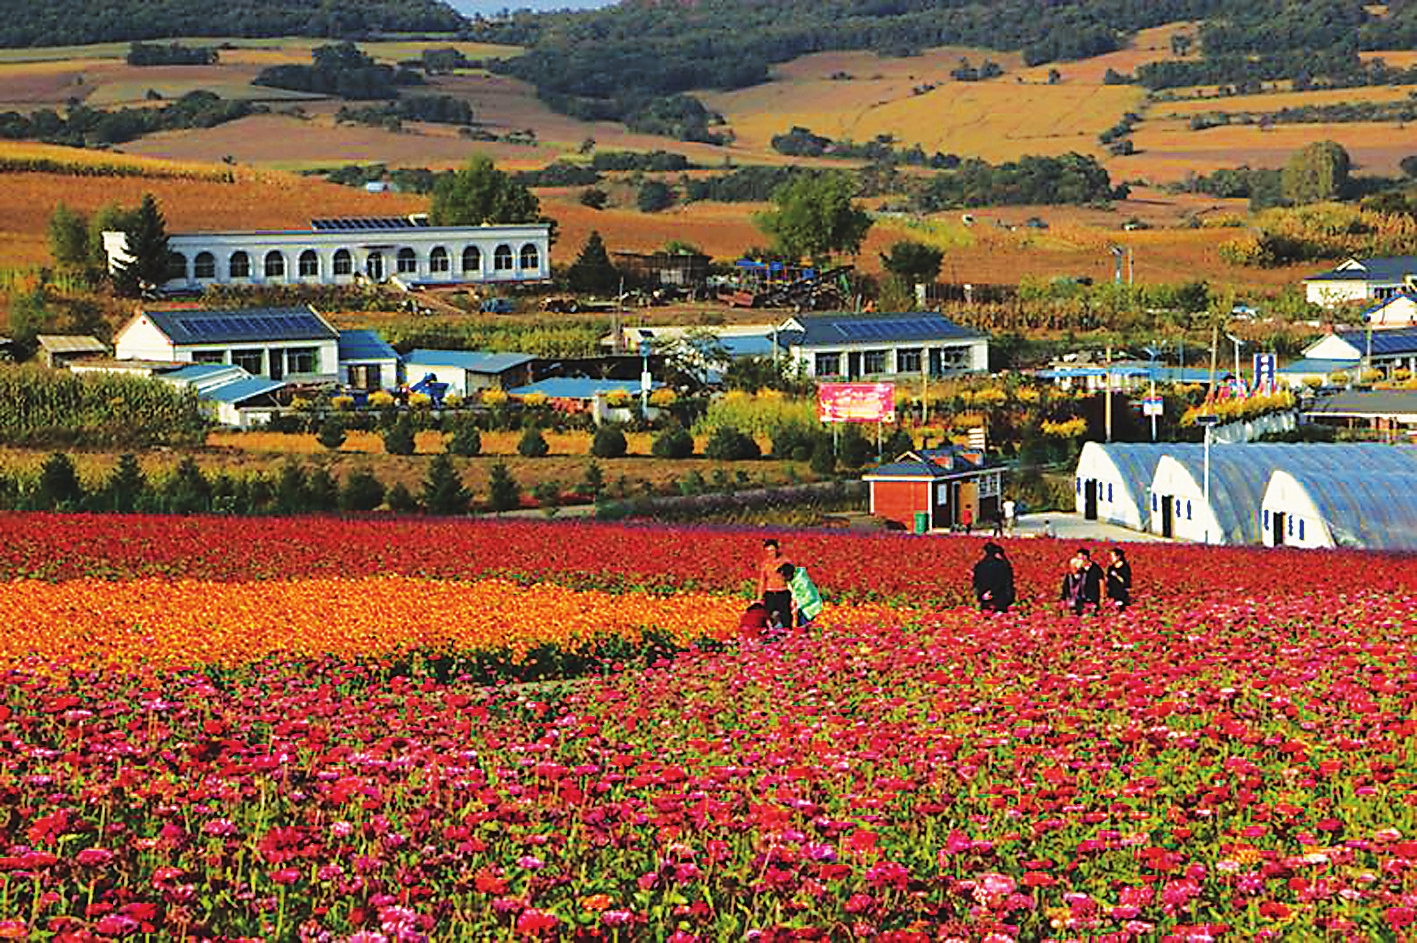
(922, 522)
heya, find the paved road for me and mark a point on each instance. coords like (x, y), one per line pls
(1072, 526)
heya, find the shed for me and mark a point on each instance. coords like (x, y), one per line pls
(58, 350)
(1372, 511)
(468, 371)
(939, 482)
(1382, 410)
(1398, 310)
(366, 361)
(1113, 479)
(680, 269)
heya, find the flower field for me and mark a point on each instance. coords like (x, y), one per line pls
(374, 730)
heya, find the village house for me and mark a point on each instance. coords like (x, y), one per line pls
(845, 346)
(931, 488)
(1362, 280)
(367, 362)
(286, 344)
(346, 251)
(1343, 354)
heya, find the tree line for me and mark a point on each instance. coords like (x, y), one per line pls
(434, 109)
(1071, 179)
(145, 54)
(82, 126)
(341, 70)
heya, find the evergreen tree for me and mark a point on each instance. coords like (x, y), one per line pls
(400, 500)
(466, 440)
(321, 490)
(331, 434)
(504, 493)
(533, 444)
(913, 262)
(727, 444)
(399, 439)
(609, 442)
(443, 491)
(292, 488)
(548, 497)
(59, 485)
(361, 491)
(675, 442)
(187, 490)
(856, 449)
(594, 481)
(125, 486)
(149, 258)
(69, 237)
(592, 272)
(823, 462)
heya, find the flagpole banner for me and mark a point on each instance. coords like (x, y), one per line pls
(856, 402)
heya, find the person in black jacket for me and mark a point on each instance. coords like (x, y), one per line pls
(1093, 579)
(1119, 580)
(994, 580)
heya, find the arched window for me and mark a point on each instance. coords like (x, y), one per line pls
(438, 260)
(344, 262)
(472, 259)
(502, 258)
(374, 266)
(407, 262)
(240, 265)
(530, 257)
(309, 264)
(204, 266)
(176, 266)
(275, 264)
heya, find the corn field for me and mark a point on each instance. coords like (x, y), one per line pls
(26, 157)
(41, 407)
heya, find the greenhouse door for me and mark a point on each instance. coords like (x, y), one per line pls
(1278, 518)
(1166, 512)
(1089, 499)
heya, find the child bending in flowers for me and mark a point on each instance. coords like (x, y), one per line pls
(806, 598)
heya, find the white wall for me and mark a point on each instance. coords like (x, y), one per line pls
(455, 377)
(1193, 519)
(1332, 347)
(140, 339)
(1114, 503)
(1304, 525)
(1399, 312)
(975, 358)
(1331, 293)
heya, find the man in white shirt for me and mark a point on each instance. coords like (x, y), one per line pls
(1009, 509)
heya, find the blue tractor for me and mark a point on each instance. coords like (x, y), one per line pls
(433, 388)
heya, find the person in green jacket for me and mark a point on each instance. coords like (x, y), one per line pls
(806, 599)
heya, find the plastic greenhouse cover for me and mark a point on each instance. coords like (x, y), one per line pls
(1376, 510)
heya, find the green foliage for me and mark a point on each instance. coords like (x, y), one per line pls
(855, 449)
(504, 493)
(322, 492)
(1069, 179)
(480, 193)
(398, 440)
(82, 126)
(651, 161)
(727, 444)
(187, 490)
(40, 407)
(608, 442)
(654, 196)
(816, 217)
(434, 109)
(594, 481)
(341, 70)
(532, 444)
(674, 442)
(361, 492)
(149, 258)
(292, 488)
(466, 440)
(594, 197)
(400, 500)
(59, 486)
(592, 272)
(823, 461)
(1316, 173)
(69, 237)
(331, 434)
(125, 486)
(757, 415)
(913, 262)
(548, 497)
(443, 491)
(146, 54)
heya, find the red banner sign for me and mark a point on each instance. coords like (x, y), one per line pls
(856, 402)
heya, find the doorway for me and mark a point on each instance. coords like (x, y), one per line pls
(853, 364)
(374, 267)
(1167, 516)
(1089, 499)
(1278, 517)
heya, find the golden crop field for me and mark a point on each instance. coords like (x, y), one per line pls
(1274, 101)
(1149, 45)
(1397, 58)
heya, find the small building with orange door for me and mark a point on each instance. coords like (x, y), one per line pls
(940, 483)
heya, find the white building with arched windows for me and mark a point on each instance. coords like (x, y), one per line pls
(348, 251)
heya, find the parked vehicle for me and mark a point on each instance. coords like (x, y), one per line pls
(497, 306)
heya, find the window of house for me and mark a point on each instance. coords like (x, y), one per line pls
(309, 264)
(828, 365)
(275, 265)
(953, 357)
(176, 266)
(407, 262)
(240, 265)
(1291, 527)
(344, 262)
(873, 361)
(530, 257)
(209, 356)
(438, 260)
(302, 360)
(204, 266)
(472, 259)
(252, 361)
(502, 258)
(907, 360)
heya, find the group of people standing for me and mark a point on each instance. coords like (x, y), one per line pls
(1085, 583)
(787, 597)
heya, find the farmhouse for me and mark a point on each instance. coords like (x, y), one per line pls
(1380, 410)
(1398, 310)
(468, 371)
(366, 361)
(1362, 280)
(346, 251)
(288, 344)
(931, 488)
(882, 346)
(1386, 350)
(60, 350)
(1372, 510)
(227, 393)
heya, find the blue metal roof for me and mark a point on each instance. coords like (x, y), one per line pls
(242, 325)
(240, 390)
(1388, 341)
(476, 361)
(197, 371)
(746, 345)
(1400, 296)
(835, 329)
(579, 387)
(364, 345)
(1393, 268)
(1318, 365)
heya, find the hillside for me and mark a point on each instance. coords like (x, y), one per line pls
(65, 22)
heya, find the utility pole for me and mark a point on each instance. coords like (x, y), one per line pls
(1107, 407)
(1214, 345)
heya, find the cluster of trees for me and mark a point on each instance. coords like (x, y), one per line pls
(66, 22)
(404, 179)
(82, 126)
(479, 193)
(1339, 67)
(648, 161)
(1337, 113)
(1117, 138)
(141, 54)
(446, 59)
(802, 142)
(965, 72)
(1260, 186)
(559, 174)
(1071, 179)
(437, 109)
(341, 70)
